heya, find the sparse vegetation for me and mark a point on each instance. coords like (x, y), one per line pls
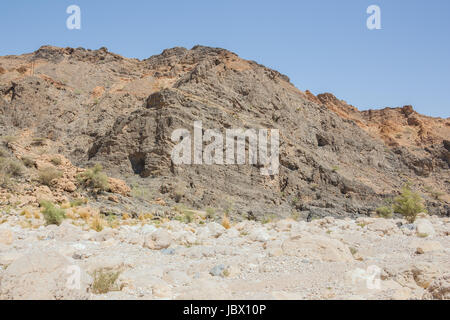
(78, 202)
(184, 214)
(97, 223)
(105, 281)
(56, 160)
(210, 213)
(268, 218)
(94, 178)
(436, 195)
(48, 174)
(84, 213)
(52, 214)
(11, 167)
(385, 211)
(178, 193)
(295, 215)
(408, 204)
(226, 222)
(28, 162)
(7, 140)
(139, 192)
(39, 142)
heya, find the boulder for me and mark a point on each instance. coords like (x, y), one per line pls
(6, 237)
(160, 239)
(44, 275)
(317, 247)
(424, 228)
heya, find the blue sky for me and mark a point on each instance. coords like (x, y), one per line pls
(322, 45)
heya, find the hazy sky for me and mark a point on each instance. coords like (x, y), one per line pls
(322, 45)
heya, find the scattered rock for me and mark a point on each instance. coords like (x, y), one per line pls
(439, 289)
(429, 246)
(424, 228)
(160, 239)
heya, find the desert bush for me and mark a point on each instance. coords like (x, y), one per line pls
(408, 204)
(97, 223)
(140, 192)
(7, 140)
(385, 211)
(52, 214)
(436, 195)
(47, 175)
(5, 180)
(178, 193)
(268, 218)
(210, 213)
(105, 281)
(184, 214)
(56, 160)
(94, 178)
(78, 202)
(28, 162)
(11, 167)
(226, 222)
(39, 142)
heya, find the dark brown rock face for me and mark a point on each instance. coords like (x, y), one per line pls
(100, 107)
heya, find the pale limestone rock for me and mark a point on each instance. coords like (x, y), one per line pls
(424, 228)
(215, 229)
(6, 237)
(45, 275)
(317, 247)
(429, 246)
(160, 239)
(383, 225)
(259, 234)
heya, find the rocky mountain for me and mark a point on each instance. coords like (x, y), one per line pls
(93, 106)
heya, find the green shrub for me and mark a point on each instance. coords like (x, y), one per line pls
(105, 281)
(47, 175)
(77, 202)
(52, 214)
(408, 204)
(385, 211)
(94, 178)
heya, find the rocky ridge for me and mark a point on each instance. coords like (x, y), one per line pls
(94, 106)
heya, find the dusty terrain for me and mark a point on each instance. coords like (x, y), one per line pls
(370, 258)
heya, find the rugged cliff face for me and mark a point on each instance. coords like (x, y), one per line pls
(98, 107)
